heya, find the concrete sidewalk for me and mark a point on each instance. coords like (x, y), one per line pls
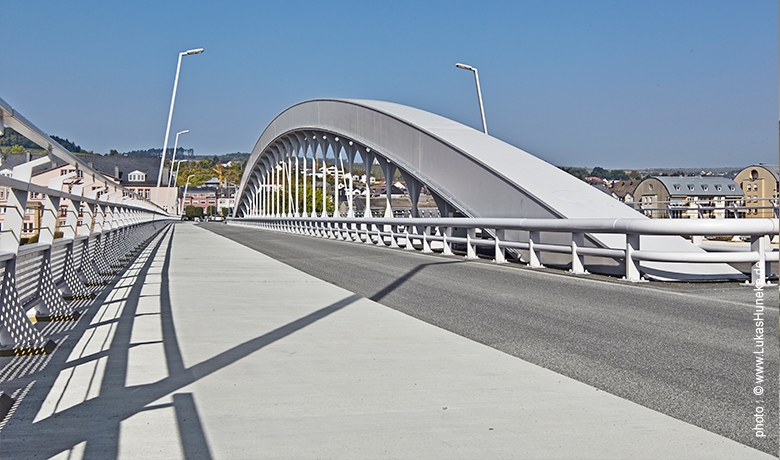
(206, 349)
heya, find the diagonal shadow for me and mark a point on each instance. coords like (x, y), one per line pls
(239, 235)
(400, 281)
(128, 401)
(192, 436)
(99, 418)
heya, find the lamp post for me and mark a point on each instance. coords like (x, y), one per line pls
(170, 116)
(173, 159)
(479, 92)
(176, 174)
(185, 193)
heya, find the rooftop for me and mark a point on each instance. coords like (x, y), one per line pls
(700, 186)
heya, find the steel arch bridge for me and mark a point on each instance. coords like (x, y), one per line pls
(468, 174)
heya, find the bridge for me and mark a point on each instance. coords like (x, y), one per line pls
(300, 331)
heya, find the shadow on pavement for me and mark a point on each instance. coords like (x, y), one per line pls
(94, 423)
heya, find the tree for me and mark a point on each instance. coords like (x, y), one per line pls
(16, 150)
(579, 173)
(193, 211)
(112, 153)
(69, 146)
(599, 172)
(11, 138)
(634, 175)
(617, 174)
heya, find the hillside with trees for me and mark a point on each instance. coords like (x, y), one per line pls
(209, 168)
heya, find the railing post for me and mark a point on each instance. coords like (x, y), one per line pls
(471, 248)
(367, 228)
(426, 244)
(632, 266)
(500, 252)
(758, 272)
(533, 254)
(393, 229)
(577, 265)
(409, 244)
(447, 245)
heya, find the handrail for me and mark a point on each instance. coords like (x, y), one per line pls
(427, 230)
(703, 227)
(15, 120)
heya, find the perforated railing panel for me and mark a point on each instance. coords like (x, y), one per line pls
(28, 273)
(58, 262)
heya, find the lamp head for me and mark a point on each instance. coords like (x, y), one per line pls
(195, 51)
(464, 66)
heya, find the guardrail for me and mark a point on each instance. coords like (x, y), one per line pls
(104, 225)
(423, 233)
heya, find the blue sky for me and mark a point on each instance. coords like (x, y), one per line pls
(620, 84)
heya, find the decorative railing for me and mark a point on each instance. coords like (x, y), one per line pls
(104, 226)
(441, 234)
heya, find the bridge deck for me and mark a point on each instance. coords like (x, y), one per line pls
(207, 349)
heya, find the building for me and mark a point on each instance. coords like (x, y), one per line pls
(200, 197)
(687, 197)
(137, 174)
(759, 183)
(624, 190)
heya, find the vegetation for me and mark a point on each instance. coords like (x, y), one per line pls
(601, 173)
(209, 168)
(12, 138)
(69, 146)
(193, 211)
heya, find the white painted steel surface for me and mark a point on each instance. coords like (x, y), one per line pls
(465, 170)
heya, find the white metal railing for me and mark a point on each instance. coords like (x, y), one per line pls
(103, 225)
(424, 233)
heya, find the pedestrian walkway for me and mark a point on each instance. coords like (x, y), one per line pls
(207, 349)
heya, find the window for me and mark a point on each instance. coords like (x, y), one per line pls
(690, 187)
(705, 187)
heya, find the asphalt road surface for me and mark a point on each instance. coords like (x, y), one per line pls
(683, 349)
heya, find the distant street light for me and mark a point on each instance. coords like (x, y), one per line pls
(170, 116)
(185, 193)
(176, 174)
(173, 159)
(479, 92)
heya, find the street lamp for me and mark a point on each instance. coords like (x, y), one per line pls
(170, 116)
(479, 92)
(185, 193)
(176, 174)
(173, 159)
